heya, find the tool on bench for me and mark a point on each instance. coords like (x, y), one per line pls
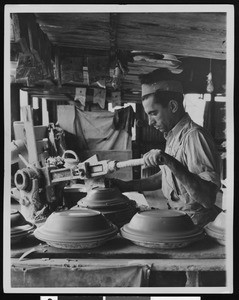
(40, 186)
(87, 170)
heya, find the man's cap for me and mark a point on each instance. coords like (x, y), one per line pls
(165, 85)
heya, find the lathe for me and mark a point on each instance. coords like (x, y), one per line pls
(41, 188)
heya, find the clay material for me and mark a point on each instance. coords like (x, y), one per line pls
(162, 229)
(76, 229)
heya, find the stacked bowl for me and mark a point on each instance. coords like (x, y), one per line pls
(76, 229)
(166, 229)
(115, 206)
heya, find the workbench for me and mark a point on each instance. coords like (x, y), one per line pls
(54, 267)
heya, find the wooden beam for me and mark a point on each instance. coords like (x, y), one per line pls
(186, 34)
(113, 37)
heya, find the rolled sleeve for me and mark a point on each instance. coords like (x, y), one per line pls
(211, 176)
(201, 156)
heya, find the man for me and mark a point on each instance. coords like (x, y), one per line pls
(190, 165)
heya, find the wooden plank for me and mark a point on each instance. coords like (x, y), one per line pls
(187, 34)
(174, 33)
(188, 265)
(85, 19)
(120, 248)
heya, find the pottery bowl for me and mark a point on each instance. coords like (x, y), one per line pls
(162, 228)
(161, 222)
(216, 229)
(101, 197)
(82, 228)
(117, 215)
(115, 206)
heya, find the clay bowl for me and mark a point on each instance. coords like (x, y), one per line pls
(216, 229)
(118, 216)
(162, 229)
(115, 206)
(76, 229)
(104, 197)
(17, 218)
(20, 228)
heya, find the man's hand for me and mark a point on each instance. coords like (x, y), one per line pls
(154, 158)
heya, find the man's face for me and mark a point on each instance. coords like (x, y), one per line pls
(160, 117)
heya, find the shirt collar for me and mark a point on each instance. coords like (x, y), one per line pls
(178, 127)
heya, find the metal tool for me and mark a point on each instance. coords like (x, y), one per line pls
(87, 170)
(40, 187)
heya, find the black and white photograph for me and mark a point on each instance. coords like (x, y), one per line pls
(118, 150)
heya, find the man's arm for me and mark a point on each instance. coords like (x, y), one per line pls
(150, 183)
(200, 190)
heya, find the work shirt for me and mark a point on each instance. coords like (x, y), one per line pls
(192, 145)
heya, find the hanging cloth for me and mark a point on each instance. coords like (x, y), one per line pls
(94, 130)
(124, 119)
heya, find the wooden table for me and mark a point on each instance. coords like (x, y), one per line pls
(204, 255)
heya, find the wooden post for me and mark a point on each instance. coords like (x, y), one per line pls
(30, 136)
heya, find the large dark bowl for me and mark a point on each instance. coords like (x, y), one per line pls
(161, 229)
(76, 229)
(17, 218)
(20, 227)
